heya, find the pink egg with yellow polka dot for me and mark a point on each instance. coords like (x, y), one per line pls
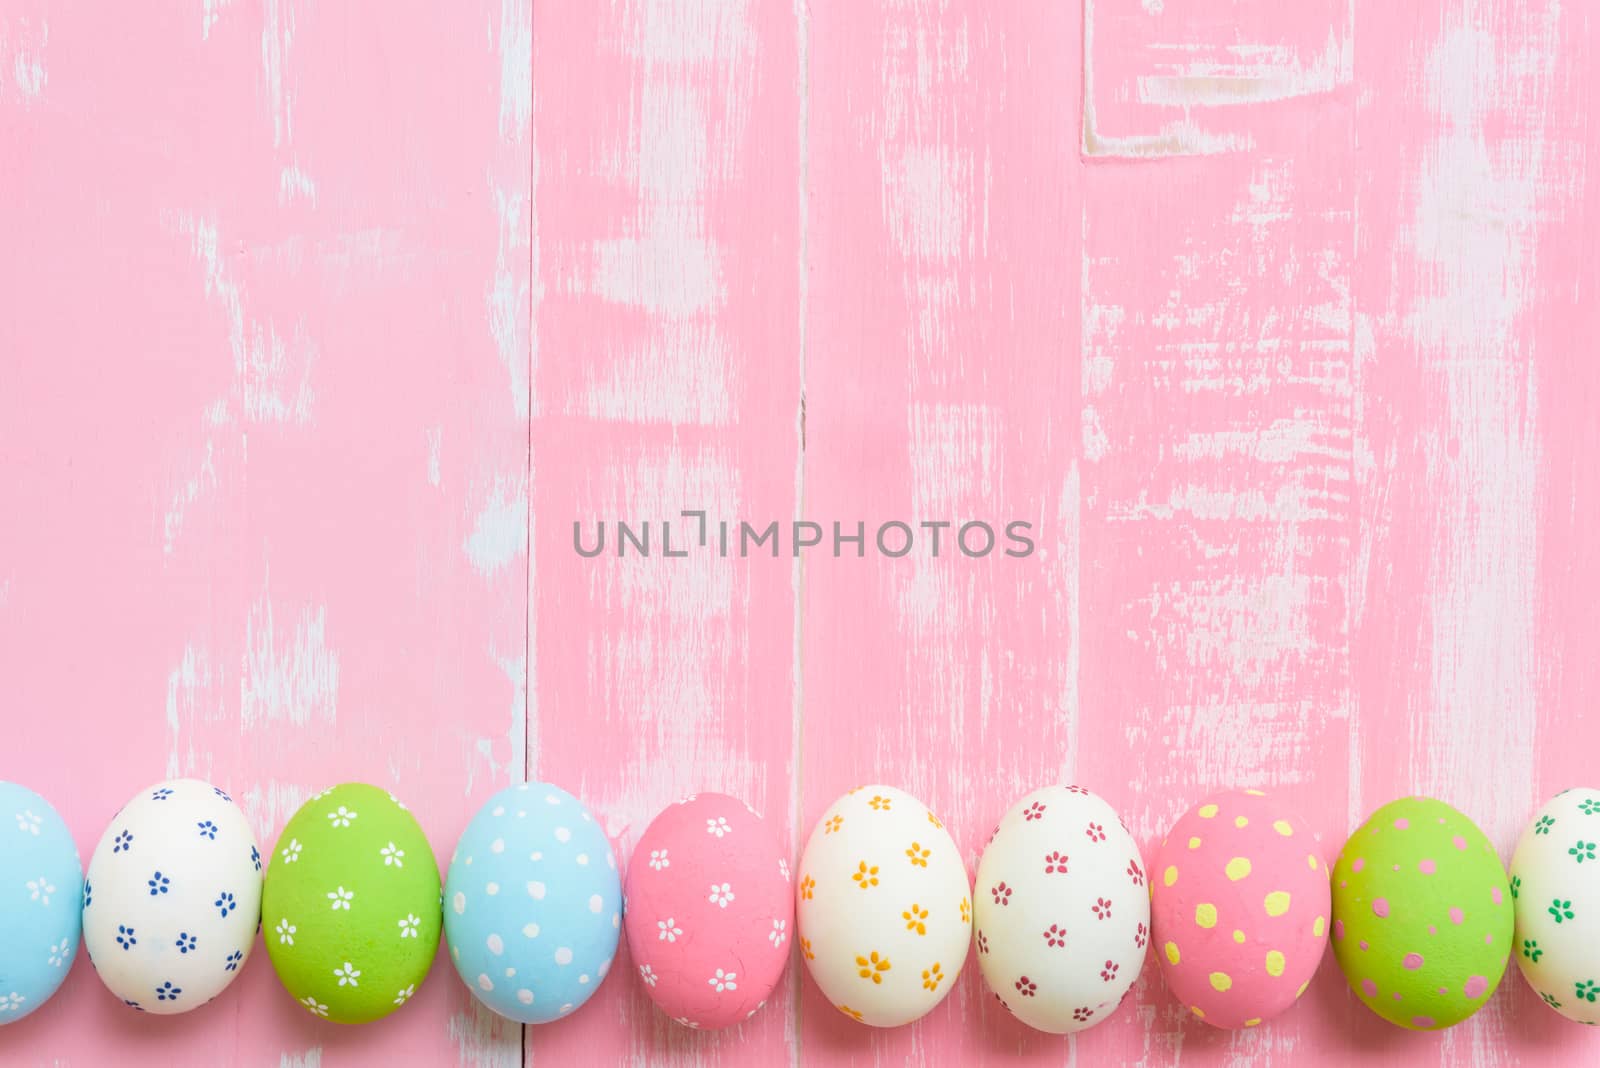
(1239, 905)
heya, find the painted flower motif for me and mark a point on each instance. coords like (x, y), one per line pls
(159, 884)
(291, 852)
(27, 822)
(403, 995)
(186, 942)
(225, 903)
(1109, 972)
(1135, 873)
(1055, 936)
(347, 974)
(1531, 950)
(718, 828)
(935, 820)
(783, 869)
(648, 975)
(932, 976)
(315, 1007)
(341, 898)
(125, 937)
(1561, 910)
(807, 885)
(966, 910)
(1001, 893)
(1549, 1000)
(872, 967)
(393, 856)
(1587, 990)
(88, 894)
(220, 792)
(779, 933)
(167, 992)
(1581, 851)
(983, 942)
(1102, 908)
(864, 876)
(233, 961)
(255, 857)
(1516, 886)
(854, 1014)
(342, 816)
(1589, 806)
(1082, 1013)
(161, 793)
(286, 932)
(1026, 987)
(1544, 825)
(919, 854)
(667, 930)
(1055, 863)
(12, 1002)
(208, 830)
(721, 895)
(723, 981)
(658, 859)
(60, 953)
(409, 925)
(833, 824)
(1033, 812)
(1095, 832)
(1140, 936)
(916, 919)
(805, 948)
(122, 843)
(879, 803)
(40, 890)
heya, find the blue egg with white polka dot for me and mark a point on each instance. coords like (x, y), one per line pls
(533, 904)
(41, 901)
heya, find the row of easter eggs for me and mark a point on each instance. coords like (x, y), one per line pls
(1237, 900)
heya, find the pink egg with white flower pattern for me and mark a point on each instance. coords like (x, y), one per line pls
(1240, 905)
(709, 911)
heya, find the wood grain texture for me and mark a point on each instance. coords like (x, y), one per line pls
(320, 325)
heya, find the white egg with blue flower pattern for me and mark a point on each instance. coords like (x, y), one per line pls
(533, 904)
(41, 895)
(173, 897)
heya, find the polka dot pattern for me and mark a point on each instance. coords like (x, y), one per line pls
(533, 907)
(1243, 920)
(1422, 926)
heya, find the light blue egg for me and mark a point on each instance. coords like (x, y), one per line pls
(533, 904)
(41, 901)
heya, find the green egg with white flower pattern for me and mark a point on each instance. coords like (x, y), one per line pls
(350, 907)
(1555, 886)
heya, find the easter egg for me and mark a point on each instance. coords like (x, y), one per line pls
(1240, 905)
(350, 909)
(41, 901)
(172, 897)
(1422, 915)
(883, 908)
(533, 904)
(710, 910)
(1555, 891)
(1061, 910)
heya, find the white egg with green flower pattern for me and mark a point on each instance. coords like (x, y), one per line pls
(1555, 883)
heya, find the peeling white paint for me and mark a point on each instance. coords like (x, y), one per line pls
(295, 184)
(311, 1058)
(435, 435)
(293, 677)
(277, 39)
(500, 530)
(189, 690)
(27, 44)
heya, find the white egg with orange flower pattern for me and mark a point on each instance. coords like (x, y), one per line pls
(883, 907)
(1061, 909)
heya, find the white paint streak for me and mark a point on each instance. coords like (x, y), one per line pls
(500, 531)
(277, 37)
(484, 1039)
(295, 184)
(435, 435)
(293, 677)
(311, 1058)
(188, 696)
(508, 293)
(210, 13)
(27, 45)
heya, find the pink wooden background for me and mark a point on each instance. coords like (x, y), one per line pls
(321, 322)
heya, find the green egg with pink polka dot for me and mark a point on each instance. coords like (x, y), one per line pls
(1422, 914)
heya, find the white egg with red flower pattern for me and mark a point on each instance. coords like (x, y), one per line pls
(883, 908)
(1061, 909)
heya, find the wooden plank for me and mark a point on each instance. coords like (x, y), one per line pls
(941, 385)
(666, 379)
(263, 450)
